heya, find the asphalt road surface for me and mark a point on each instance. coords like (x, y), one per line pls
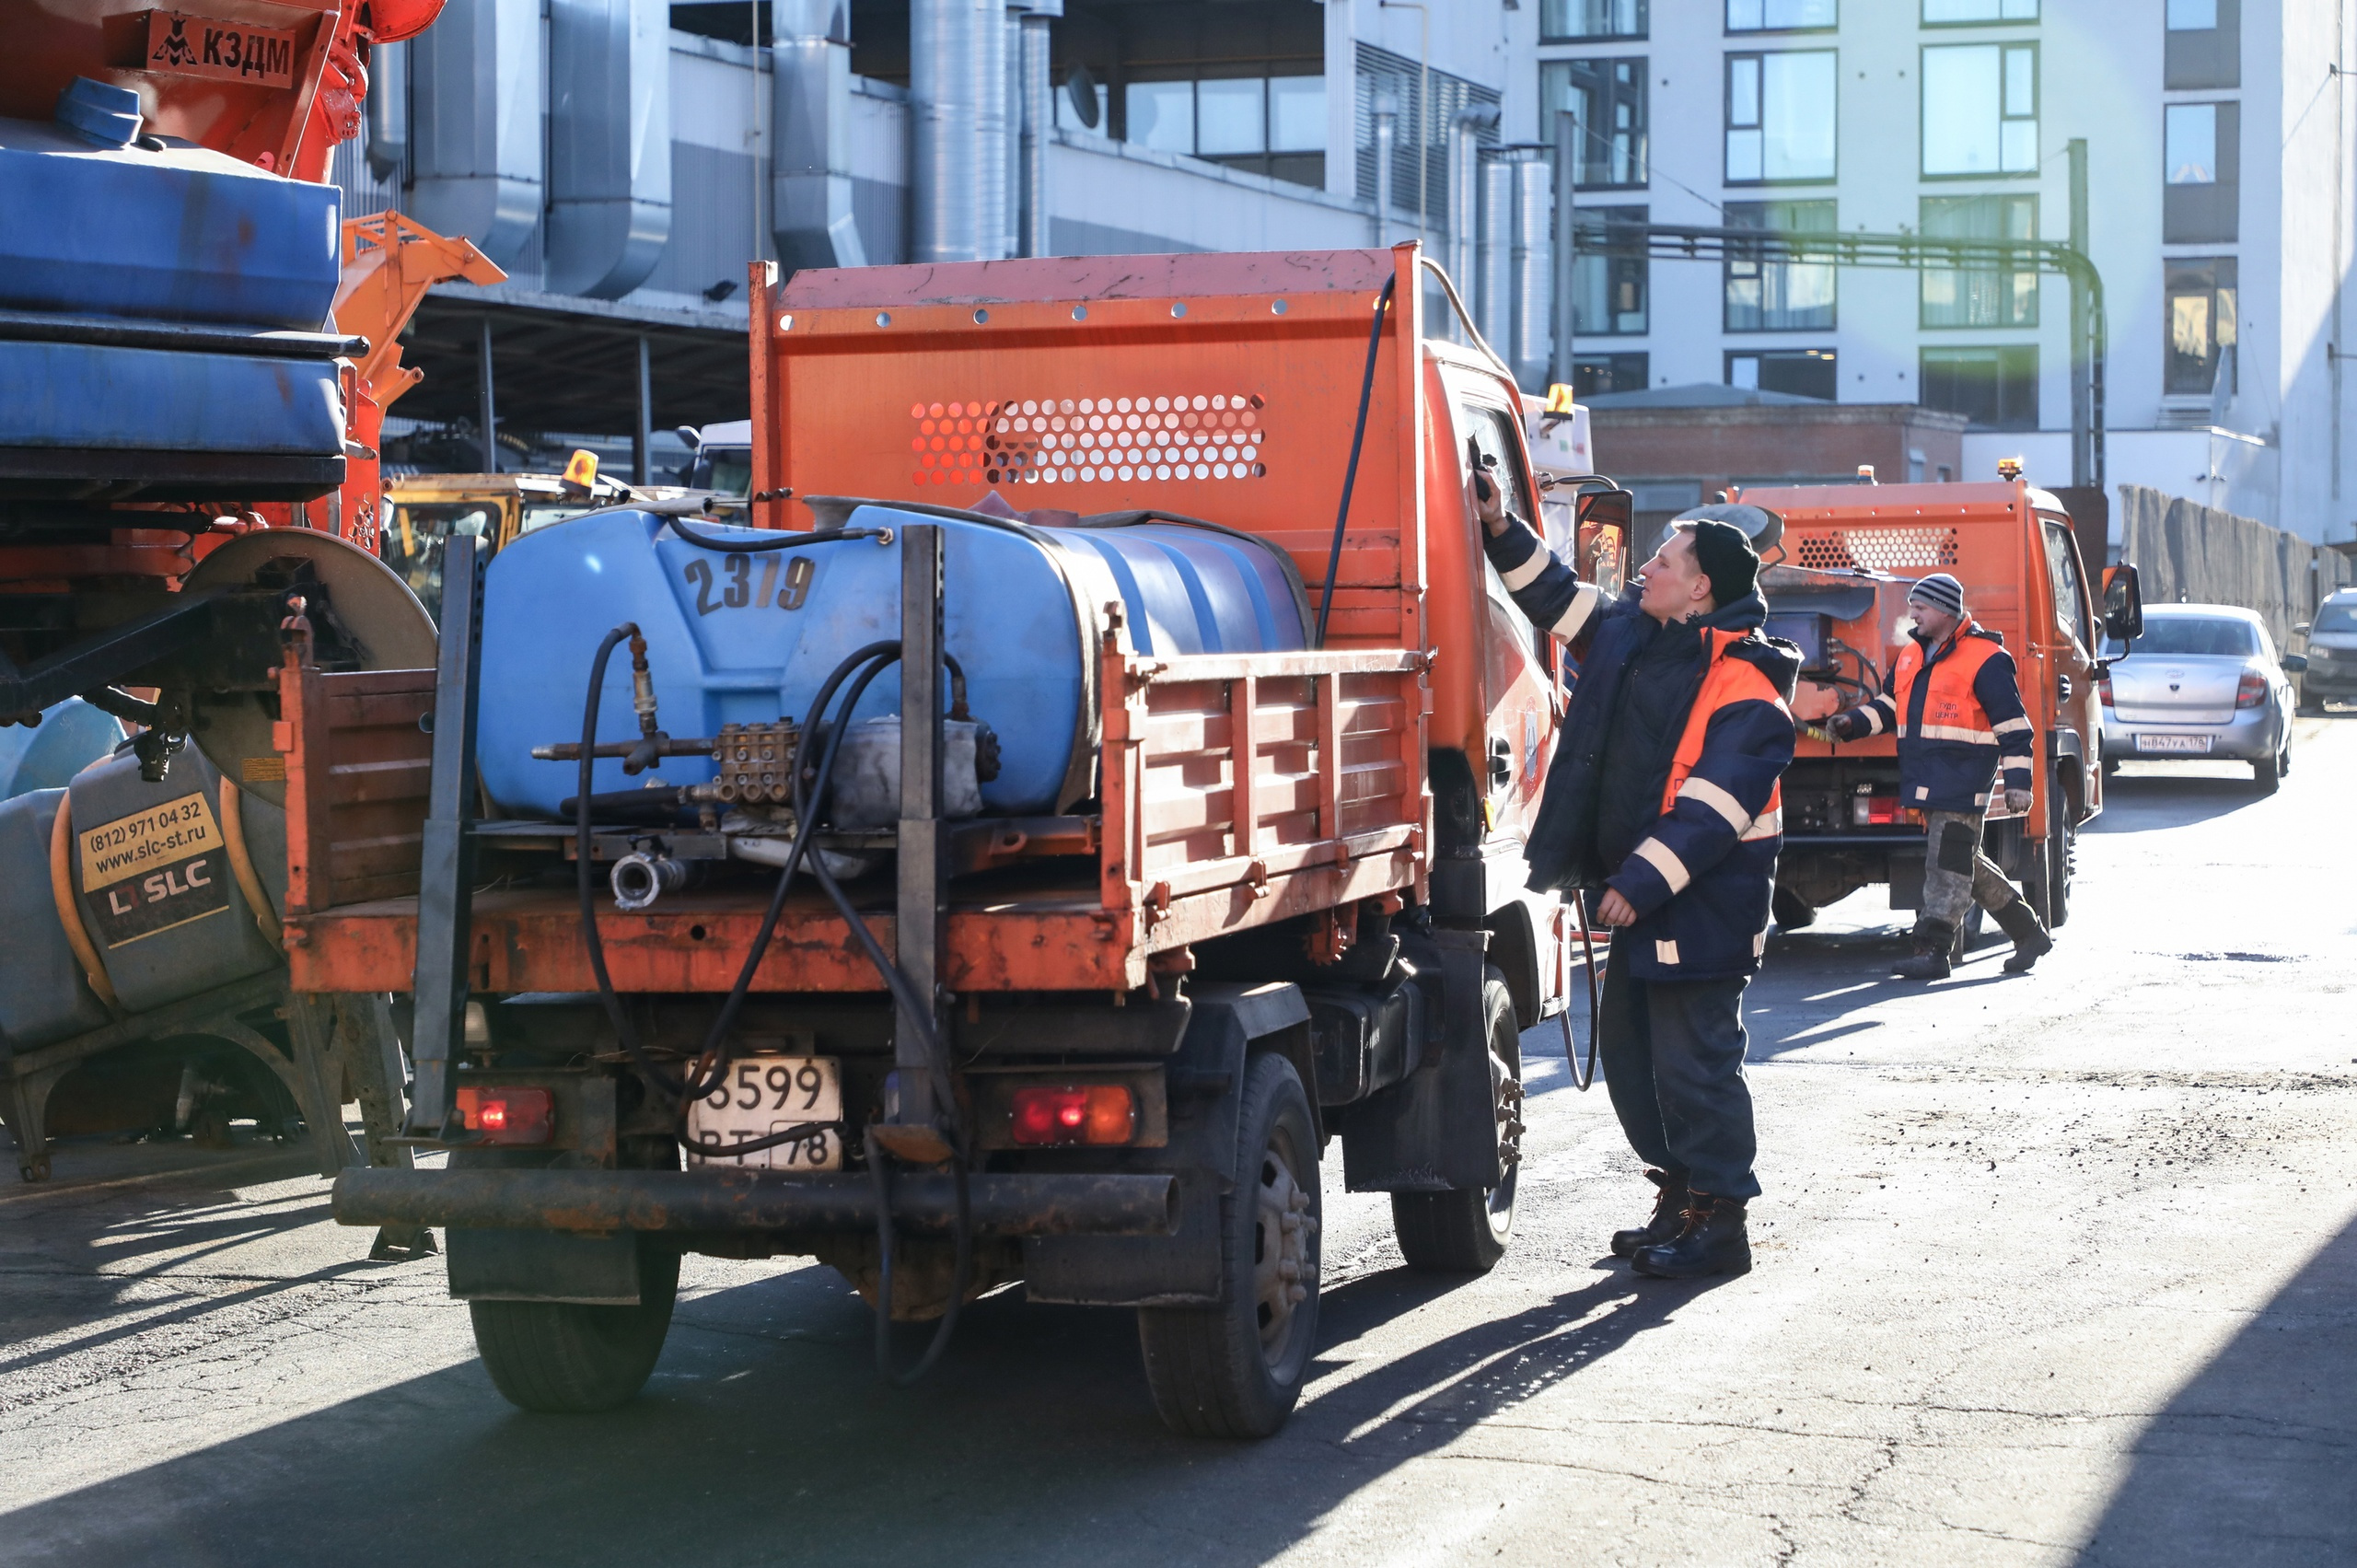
(2050, 1270)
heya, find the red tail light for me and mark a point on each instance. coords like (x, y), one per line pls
(508, 1116)
(2103, 690)
(1875, 811)
(1074, 1113)
(2251, 689)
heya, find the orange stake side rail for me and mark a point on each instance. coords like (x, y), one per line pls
(1238, 790)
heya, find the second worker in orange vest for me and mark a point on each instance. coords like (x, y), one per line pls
(1956, 704)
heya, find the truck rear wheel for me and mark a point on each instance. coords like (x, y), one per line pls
(1236, 1370)
(2047, 886)
(563, 1358)
(1467, 1232)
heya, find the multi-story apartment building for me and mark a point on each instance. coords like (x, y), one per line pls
(623, 158)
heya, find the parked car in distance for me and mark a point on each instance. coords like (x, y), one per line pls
(2203, 682)
(2332, 675)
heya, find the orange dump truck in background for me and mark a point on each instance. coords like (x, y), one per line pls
(1837, 587)
(1281, 906)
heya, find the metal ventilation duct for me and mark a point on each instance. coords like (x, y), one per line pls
(957, 83)
(1464, 128)
(475, 124)
(810, 204)
(1493, 266)
(388, 110)
(1534, 291)
(610, 143)
(1036, 117)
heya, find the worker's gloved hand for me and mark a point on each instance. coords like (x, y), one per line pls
(1488, 504)
(2017, 801)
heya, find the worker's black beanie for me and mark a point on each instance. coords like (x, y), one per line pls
(1727, 558)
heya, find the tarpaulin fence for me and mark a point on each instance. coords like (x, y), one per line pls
(2189, 553)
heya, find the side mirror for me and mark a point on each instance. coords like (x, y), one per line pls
(2294, 664)
(2300, 628)
(1609, 509)
(2123, 604)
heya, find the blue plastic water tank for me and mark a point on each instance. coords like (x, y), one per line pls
(70, 736)
(749, 638)
(184, 233)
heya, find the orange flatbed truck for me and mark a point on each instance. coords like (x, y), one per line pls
(1837, 584)
(1289, 909)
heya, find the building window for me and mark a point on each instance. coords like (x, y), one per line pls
(1802, 372)
(1782, 16)
(1781, 116)
(1996, 387)
(2200, 325)
(1608, 292)
(1273, 125)
(2200, 159)
(1975, 296)
(1598, 373)
(2204, 44)
(1953, 13)
(1779, 296)
(1979, 108)
(1576, 21)
(1608, 98)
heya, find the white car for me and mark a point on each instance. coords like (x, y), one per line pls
(2203, 680)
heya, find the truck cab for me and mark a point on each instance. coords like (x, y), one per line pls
(1837, 583)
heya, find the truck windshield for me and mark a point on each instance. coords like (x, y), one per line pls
(732, 470)
(2336, 618)
(2195, 636)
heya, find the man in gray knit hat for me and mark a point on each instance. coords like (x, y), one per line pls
(1955, 705)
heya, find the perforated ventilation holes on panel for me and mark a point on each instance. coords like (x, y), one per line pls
(1878, 549)
(1213, 436)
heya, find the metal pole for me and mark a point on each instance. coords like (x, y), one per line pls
(1386, 132)
(2082, 461)
(918, 919)
(445, 863)
(641, 457)
(1565, 368)
(489, 446)
(753, 117)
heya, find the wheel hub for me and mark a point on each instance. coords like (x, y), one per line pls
(1282, 1233)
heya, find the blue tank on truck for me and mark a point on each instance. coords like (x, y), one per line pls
(746, 638)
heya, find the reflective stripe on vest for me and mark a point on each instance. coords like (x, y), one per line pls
(1951, 709)
(1727, 680)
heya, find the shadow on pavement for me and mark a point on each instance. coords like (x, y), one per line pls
(2142, 802)
(765, 1439)
(2252, 1460)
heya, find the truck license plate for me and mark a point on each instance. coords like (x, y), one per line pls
(764, 1094)
(2198, 744)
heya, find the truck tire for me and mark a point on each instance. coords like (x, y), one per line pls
(563, 1358)
(1466, 1233)
(1236, 1370)
(2049, 884)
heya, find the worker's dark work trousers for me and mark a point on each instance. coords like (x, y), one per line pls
(1673, 1060)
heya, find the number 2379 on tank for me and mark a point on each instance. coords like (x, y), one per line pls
(763, 1096)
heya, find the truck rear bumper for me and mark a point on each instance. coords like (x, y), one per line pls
(1006, 1204)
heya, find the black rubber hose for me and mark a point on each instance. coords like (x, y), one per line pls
(960, 1274)
(1350, 473)
(874, 658)
(583, 867)
(779, 540)
(1595, 1007)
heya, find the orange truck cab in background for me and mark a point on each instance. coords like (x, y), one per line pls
(1847, 556)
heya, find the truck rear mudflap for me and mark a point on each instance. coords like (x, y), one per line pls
(1019, 1203)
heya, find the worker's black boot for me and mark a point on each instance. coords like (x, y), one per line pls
(1714, 1242)
(2031, 942)
(1935, 941)
(1669, 1217)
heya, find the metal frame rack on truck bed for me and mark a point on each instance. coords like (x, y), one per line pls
(1270, 896)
